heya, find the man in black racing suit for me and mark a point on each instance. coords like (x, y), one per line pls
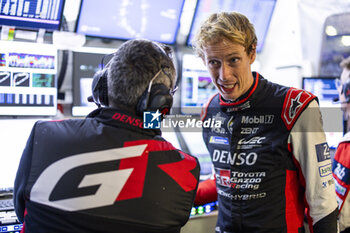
(270, 155)
(107, 173)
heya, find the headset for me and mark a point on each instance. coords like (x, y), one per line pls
(99, 87)
(155, 97)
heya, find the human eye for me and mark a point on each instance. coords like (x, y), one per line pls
(213, 63)
(234, 60)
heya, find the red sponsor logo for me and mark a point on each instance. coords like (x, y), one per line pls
(128, 119)
(223, 177)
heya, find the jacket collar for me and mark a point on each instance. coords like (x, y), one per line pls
(121, 118)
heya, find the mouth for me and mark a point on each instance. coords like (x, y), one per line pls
(228, 88)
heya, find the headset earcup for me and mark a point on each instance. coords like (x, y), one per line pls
(100, 88)
(159, 99)
(142, 104)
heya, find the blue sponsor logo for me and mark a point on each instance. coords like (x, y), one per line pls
(339, 188)
(342, 172)
(322, 152)
(151, 120)
(218, 140)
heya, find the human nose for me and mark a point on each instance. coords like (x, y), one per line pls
(225, 72)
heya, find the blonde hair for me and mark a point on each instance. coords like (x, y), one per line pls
(233, 26)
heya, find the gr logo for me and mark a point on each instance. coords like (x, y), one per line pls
(111, 182)
(112, 185)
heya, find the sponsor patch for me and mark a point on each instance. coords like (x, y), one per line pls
(294, 103)
(322, 151)
(339, 188)
(223, 177)
(246, 105)
(262, 119)
(248, 130)
(327, 183)
(341, 172)
(218, 140)
(325, 170)
(230, 124)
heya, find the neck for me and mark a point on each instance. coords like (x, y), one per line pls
(123, 107)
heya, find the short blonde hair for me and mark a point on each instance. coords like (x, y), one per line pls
(233, 26)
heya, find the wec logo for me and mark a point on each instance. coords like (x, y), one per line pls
(253, 141)
(112, 185)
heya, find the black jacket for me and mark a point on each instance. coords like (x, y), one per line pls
(105, 174)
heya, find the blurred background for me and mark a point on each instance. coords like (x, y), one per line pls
(50, 50)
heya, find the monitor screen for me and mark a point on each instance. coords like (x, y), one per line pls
(323, 87)
(196, 85)
(85, 64)
(197, 148)
(28, 85)
(12, 145)
(325, 90)
(32, 14)
(259, 12)
(156, 20)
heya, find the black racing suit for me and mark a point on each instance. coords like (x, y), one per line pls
(105, 173)
(271, 161)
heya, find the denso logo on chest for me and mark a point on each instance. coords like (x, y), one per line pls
(225, 157)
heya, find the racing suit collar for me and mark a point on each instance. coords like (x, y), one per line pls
(121, 118)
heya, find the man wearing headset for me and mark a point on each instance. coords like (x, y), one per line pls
(107, 173)
(341, 165)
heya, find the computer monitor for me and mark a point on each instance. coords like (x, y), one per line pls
(86, 62)
(156, 20)
(259, 12)
(325, 90)
(14, 134)
(28, 85)
(32, 14)
(197, 148)
(196, 85)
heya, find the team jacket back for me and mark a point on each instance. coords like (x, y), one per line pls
(103, 174)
